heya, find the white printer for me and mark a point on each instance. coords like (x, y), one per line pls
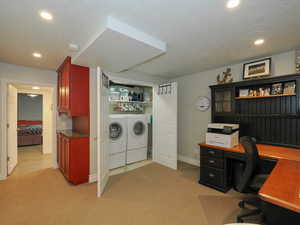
(222, 134)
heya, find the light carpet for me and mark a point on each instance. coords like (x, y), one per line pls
(151, 195)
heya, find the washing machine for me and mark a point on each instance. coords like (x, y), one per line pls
(117, 140)
(137, 138)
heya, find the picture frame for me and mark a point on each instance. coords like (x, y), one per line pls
(257, 69)
(244, 92)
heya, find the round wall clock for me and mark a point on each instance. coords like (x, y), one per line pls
(203, 103)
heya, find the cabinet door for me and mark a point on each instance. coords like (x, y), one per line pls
(63, 92)
(59, 90)
(67, 76)
(67, 158)
(223, 101)
(58, 149)
(61, 153)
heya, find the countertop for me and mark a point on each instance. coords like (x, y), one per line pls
(72, 134)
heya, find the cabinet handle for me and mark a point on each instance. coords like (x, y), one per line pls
(211, 175)
(212, 161)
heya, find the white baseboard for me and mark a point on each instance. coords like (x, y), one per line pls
(192, 161)
(92, 178)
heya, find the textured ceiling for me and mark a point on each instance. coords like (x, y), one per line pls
(200, 34)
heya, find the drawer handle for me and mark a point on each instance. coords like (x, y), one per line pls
(212, 161)
(211, 152)
(211, 175)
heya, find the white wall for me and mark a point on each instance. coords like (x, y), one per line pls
(193, 123)
(22, 75)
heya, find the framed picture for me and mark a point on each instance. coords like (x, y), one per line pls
(257, 69)
(244, 92)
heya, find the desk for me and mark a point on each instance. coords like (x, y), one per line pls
(282, 188)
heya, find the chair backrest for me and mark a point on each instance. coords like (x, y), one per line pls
(252, 160)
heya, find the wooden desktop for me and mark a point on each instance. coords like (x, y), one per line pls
(282, 187)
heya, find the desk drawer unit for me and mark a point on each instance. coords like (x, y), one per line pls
(213, 169)
(212, 176)
(212, 152)
(212, 162)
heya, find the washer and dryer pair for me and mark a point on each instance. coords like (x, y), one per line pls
(128, 139)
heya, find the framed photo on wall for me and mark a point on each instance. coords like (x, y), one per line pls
(257, 69)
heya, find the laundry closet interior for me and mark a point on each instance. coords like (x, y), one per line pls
(130, 126)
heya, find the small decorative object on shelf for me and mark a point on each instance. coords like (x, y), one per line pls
(277, 89)
(289, 88)
(226, 77)
(264, 91)
(257, 69)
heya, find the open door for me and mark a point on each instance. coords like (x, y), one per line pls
(165, 125)
(12, 116)
(102, 131)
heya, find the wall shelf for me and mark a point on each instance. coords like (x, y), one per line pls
(271, 119)
(118, 101)
(270, 96)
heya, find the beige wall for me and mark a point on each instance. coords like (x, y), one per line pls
(193, 123)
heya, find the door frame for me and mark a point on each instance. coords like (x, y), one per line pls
(154, 107)
(3, 115)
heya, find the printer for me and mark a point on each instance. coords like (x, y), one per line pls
(222, 134)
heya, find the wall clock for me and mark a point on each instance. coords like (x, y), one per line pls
(203, 103)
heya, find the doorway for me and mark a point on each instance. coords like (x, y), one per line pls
(130, 126)
(164, 125)
(30, 128)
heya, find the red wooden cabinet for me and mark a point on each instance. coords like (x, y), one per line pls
(73, 89)
(73, 158)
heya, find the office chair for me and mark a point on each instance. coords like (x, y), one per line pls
(250, 181)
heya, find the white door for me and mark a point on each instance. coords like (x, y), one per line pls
(12, 116)
(102, 131)
(165, 125)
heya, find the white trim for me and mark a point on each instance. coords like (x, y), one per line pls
(93, 178)
(130, 81)
(3, 101)
(186, 159)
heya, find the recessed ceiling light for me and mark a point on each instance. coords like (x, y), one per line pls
(232, 4)
(32, 95)
(37, 55)
(46, 15)
(74, 47)
(259, 42)
(36, 88)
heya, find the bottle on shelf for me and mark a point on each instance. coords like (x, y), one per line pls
(130, 96)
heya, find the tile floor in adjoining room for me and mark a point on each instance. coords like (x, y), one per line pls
(30, 159)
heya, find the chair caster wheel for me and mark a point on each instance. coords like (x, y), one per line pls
(239, 220)
(242, 205)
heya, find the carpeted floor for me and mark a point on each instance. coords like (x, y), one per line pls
(151, 195)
